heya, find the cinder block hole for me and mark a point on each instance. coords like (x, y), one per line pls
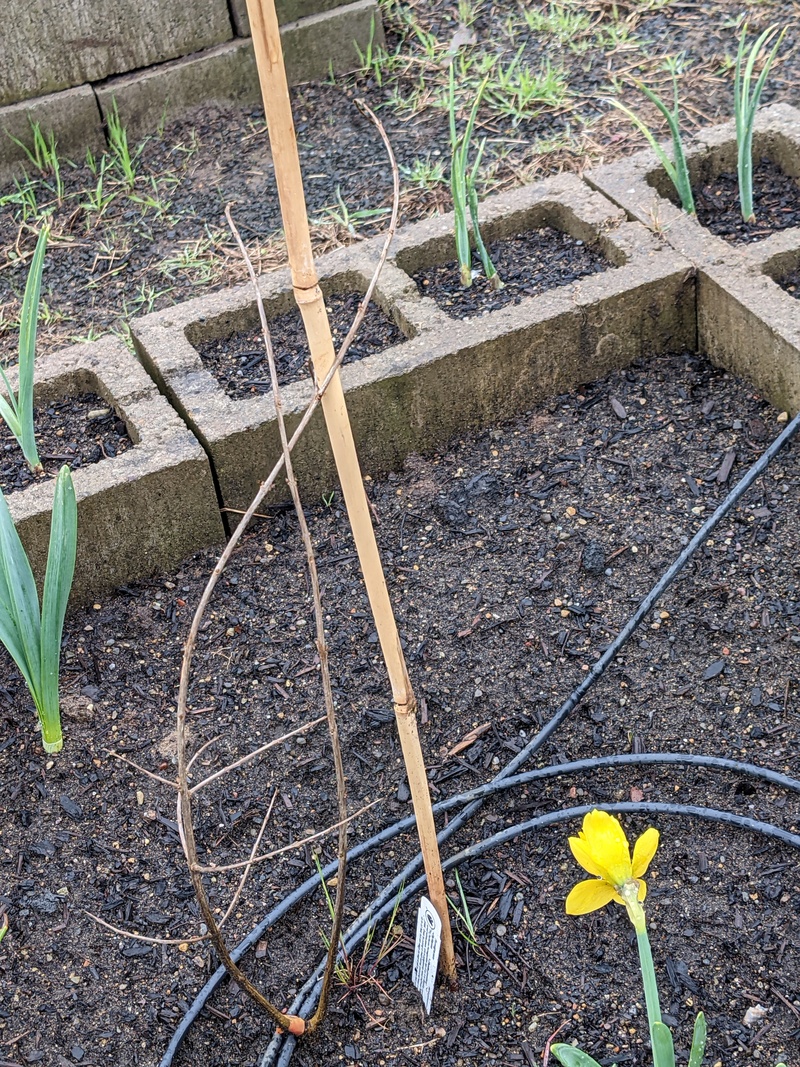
(533, 251)
(715, 186)
(784, 269)
(232, 347)
(75, 424)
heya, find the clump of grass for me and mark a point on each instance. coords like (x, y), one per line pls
(123, 159)
(745, 105)
(676, 168)
(42, 154)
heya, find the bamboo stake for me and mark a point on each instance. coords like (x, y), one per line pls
(277, 107)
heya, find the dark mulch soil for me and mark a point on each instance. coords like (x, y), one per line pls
(791, 283)
(776, 201)
(528, 263)
(76, 431)
(240, 365)
(512, 558)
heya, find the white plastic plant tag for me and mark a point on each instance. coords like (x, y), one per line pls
(426, 951)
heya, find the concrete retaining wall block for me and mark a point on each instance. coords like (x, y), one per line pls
(447, 376)
(139, 513)
(746, 322)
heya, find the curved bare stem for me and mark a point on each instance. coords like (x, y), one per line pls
(322, 646)
(293, 1024)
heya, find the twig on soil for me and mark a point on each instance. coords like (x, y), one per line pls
(250, 756)
(142, 770)
(303, 841)
(549, 1042)
(193, 940)
(249, 864)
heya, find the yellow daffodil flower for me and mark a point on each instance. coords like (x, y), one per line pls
(602, 849)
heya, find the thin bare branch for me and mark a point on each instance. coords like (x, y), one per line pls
(293, 846)
(252, 755)
(201, 750)
(293, 1024)
(142, 770)
(249, 865)
(141, 937)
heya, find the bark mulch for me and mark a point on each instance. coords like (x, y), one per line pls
(239, 362)
(776, 202)
(75, 431)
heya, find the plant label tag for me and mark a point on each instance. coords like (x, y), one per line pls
(426, 951)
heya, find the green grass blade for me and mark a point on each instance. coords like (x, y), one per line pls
(19, 615)
(681, 180)
(664, 159)
(738, 111)
(9, 633)
(8, 410)
(27, 350)
(57, 584)
(451, 101)
(698, 1041)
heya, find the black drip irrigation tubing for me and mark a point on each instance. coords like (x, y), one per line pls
(507, 778)
(308, 996)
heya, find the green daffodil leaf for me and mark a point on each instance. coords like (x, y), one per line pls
(663, 1049)
(569, 1056)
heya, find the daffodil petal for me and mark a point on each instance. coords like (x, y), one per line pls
(589, 895)
(584, 857)
(606, 841)
(643, 851)
(642, 893)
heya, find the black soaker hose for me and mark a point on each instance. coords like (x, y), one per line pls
(596, 672)
(478, 793)
(510, 833)
(306, 1000)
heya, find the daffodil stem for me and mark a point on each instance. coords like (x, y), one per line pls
(648, 978)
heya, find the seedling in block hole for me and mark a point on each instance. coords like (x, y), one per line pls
(17, 408)
(465, 196)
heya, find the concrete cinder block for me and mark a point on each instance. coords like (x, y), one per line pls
(227, 74)
(287, 11)
(48, 45)
(72, 116)
(139, 513)
(223, 75)
(749, 325)
(640, 185)
(446, 376)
